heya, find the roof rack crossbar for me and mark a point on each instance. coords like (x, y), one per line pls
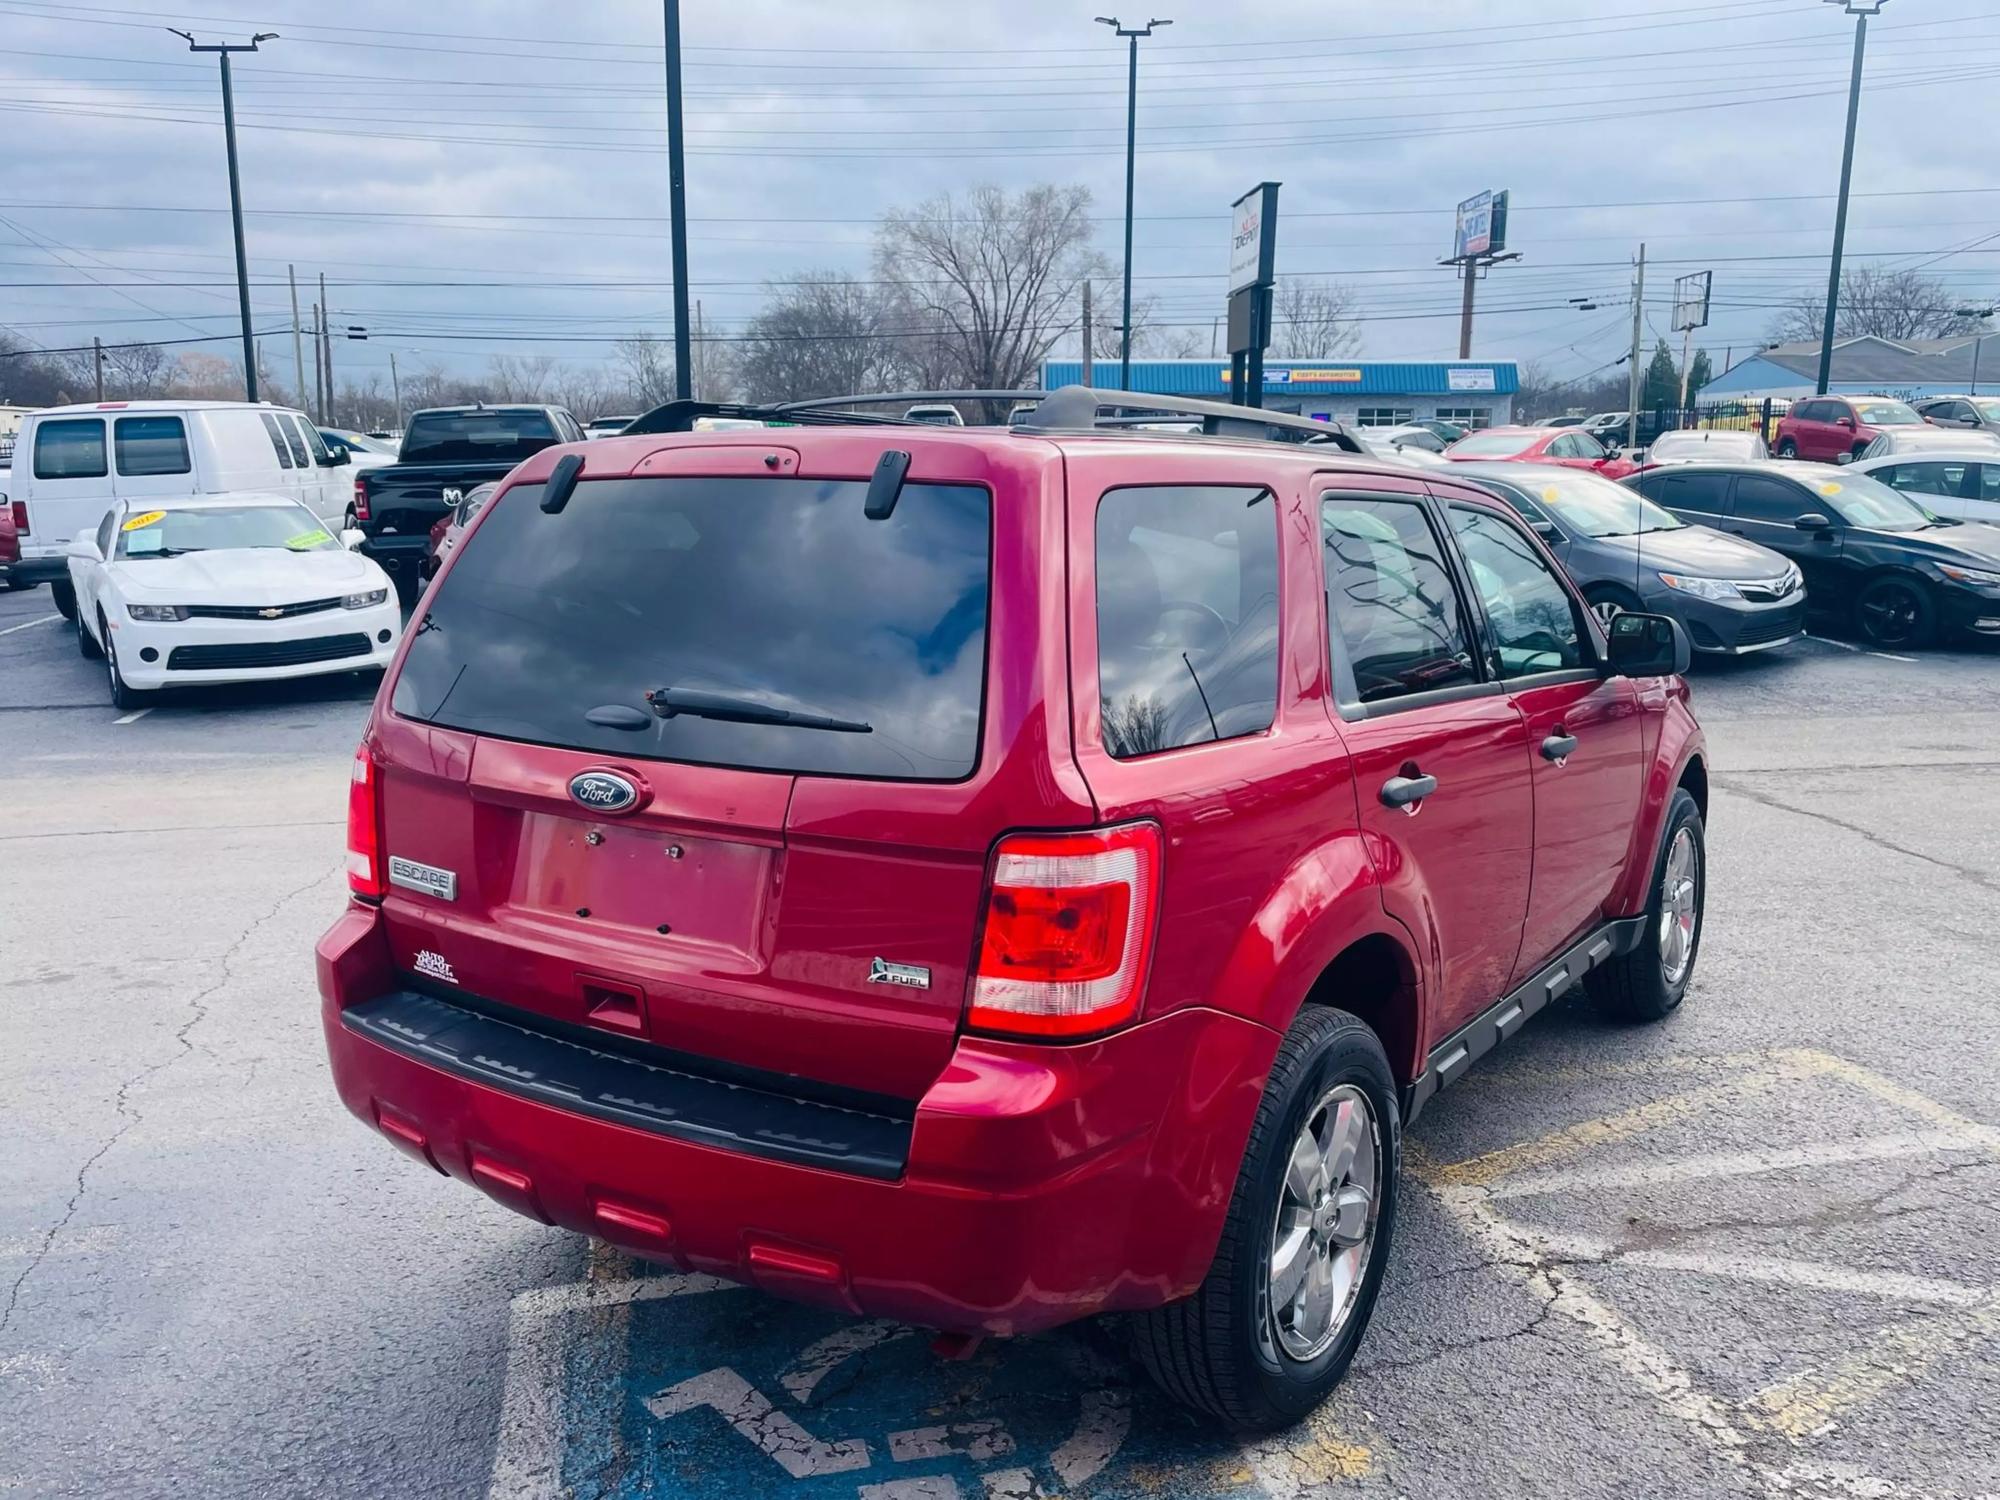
(680, 416)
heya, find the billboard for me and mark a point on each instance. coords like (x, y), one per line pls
(1691, 300)
(1250, 228)
(1481, 226)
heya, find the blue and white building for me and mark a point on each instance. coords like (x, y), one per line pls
(1866, 365)
(1354, 392)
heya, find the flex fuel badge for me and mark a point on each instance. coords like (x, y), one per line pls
(143, 520)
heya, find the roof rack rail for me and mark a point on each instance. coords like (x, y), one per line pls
(1073, 408)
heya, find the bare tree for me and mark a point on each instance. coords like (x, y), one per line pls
(1888, 303)
(587, 393)
(1315, 319)
(521, 377)
(822, 334)
(648, 364)
(994, 278)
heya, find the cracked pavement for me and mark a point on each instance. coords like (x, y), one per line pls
(216, 1281)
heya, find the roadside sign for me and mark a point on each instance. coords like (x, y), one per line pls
(1481, 226)
(1691, 294)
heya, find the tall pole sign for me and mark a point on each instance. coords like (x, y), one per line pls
(1253, 267)
(1478, 243)
(1691, 293)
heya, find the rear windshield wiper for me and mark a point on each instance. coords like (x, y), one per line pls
(668, 702)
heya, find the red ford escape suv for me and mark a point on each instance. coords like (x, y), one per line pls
(987, 877)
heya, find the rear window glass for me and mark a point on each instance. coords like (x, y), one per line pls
(476, 437)
(1187, 616)
(1494, 444)
(733, 595)
(150, 445)
(70, 450)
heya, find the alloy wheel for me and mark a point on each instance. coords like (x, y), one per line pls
(1324, 1232)
(1680, 906)
(1607, 610)
(1890, 613)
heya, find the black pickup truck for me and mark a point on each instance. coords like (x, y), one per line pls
(448, 451)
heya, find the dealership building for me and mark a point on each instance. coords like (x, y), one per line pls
(1356, 393)
(1865, 365)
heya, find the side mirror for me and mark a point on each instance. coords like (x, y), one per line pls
(1813, 520)
(1548, 531)
(82, 548)
(1843, 421)
(1648, 645)
(352, 538)
(335, 457)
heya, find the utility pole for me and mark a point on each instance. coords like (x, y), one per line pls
(396, 390)
(1086, 331)
(1132, 34)
(1687, 341)
(97, 353)
(223, 51)
(1470, 271)
(298, 348)
(1861, 10)
(700, 381)
(677, 205)
(326, 344)
(319, 369)
(1638, 332)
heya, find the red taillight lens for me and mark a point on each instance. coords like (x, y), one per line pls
(364, 829)
(20, 508)
(361, 500)
(1068, 932)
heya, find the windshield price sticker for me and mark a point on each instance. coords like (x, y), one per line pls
(307, 539)
(147, 518)
(1829, 487)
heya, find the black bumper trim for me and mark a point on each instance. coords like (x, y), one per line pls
(584, 1080)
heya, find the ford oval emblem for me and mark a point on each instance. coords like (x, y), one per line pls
(603, 791)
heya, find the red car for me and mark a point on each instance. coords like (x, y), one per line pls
(969, 877)
(1829, 429)
(10, 547)
(1542, 445)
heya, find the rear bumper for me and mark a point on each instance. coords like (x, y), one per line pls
(1038, 1184)
(38, 569)
(402, 557)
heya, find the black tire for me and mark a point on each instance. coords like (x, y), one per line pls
(86, 644)
(64, 597)
(1217, 1351)
(1787, 448)
(21, 585)
(123, 698)
(1610, 596)
(1642, 985)
(1896, 610)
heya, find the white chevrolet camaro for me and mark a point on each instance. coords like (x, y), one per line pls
(241, 588)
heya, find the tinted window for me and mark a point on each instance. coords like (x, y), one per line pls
(315, 444)
(476, 437)
(1393, 614)
(1814, 411)
(1535, 626)
(1187, 616)
(1925, 479)
(1494, 444)
(1583, 445)
(150, 445)
(70, 449)
(1759, 497)
(294, 440)
(772, 593)
(1701, 493)
(105, 534)
(278, 444)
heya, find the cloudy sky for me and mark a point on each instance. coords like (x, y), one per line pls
(486, 178)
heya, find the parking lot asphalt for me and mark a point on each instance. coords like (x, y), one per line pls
(1753, 1251)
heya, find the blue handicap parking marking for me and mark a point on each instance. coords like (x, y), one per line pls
(730, 1394)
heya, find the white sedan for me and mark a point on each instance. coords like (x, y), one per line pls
(239, 588)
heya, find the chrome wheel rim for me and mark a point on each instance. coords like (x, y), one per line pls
(111, 663)
(1680, 907)
(1324, 1230)
(1606, 611)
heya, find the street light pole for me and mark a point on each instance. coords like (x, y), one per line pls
(677, 206)
(1861, 10)
(1978, 337)
(1132, 34)
(223, 50)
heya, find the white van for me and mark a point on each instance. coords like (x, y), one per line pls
(72, 463)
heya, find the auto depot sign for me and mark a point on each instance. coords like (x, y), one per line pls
(1248, 224)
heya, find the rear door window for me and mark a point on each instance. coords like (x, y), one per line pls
(749, 598)
(1762, 498)
(1394, 615)
(70, 449)
(1187, 616)
(150, 445)
(278, 444)
(1701, 494)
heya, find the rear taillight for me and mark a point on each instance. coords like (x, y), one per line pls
(361, 500)
(1068, 932)
(20, 508)
(364, 829)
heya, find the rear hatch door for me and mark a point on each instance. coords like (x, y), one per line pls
(767, 862)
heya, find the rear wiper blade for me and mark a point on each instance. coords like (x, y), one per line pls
(668, 702)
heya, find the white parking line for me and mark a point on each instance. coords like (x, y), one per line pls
(1891, 656)
(1735, 1164)
(29, 624)
(1859, 650)
(133, 717)
(1825, 640)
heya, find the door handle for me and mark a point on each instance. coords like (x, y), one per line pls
(1406, 791)
(1558, 747)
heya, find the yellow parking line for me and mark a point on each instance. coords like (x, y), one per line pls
(1806, 1403)
(1887, 1089)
